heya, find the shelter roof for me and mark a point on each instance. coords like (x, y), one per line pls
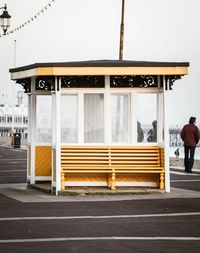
(101, 67)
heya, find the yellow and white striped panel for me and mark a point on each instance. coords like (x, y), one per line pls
(54, 164)
(43, 160)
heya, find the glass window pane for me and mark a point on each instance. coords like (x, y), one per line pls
(120, 118)
(43, 119)
(147, 120)
(94, 118)
(69, 118)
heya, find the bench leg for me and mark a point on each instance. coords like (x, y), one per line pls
(113, 179)
(63, 181)
(162, 185)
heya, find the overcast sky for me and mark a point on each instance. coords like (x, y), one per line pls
(70, 30)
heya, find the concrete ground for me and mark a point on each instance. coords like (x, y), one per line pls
(32, 221)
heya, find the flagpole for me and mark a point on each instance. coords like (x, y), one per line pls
(122, 32)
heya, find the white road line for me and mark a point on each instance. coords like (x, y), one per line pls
(100, 217)
(10, 171)
(182, 168)
(11, 159)
(61, 239)
(178, 173)
(186, 180)
(183, 173)
(10, 176)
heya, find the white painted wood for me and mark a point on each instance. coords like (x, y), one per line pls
(85, 90)
(44, 144)
(53, 108)
(160, 119)
(166, 134)
(113, 144)
(33, 137)
(58, 136)
(43, 178)
(41, 93)
(78, 183)
(29, 139)
(134, 90)
(29, 118)
(107, 111)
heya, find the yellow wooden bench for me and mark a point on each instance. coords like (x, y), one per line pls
(111, 160)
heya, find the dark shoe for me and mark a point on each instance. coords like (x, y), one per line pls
(190, 171)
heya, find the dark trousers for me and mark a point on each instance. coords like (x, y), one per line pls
(189, 158)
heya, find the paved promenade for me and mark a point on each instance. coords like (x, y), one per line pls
(32, 221)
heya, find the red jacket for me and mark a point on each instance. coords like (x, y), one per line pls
(190, 135)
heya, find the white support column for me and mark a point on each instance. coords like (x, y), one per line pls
(53, 163)
(160, 117)
(58, 135)
(166, 133)
(33, 137)
(107, 111)
(29, 139)
(29, 118)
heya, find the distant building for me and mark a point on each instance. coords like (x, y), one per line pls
(13, 117)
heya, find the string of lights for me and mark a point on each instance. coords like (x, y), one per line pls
(33, 18)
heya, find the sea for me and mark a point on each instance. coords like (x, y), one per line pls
(181, 151)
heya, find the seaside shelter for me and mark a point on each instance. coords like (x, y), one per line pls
(99, 123)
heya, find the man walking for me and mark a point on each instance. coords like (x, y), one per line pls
(190, 136)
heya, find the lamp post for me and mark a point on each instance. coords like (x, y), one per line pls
(5, 20)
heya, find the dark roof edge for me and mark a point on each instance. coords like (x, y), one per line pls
(102, 63)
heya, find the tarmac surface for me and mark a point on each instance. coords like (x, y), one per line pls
(32, 221)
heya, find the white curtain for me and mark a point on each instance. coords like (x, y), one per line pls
(94, 118)
(43, 119)
(69, 118)
(120, 118)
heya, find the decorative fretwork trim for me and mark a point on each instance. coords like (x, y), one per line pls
(26, 84)
(45, 83)
(149, 81)
(171, 80)
(82, 82)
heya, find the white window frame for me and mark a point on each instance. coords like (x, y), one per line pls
(107, 91)
(80, 92)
